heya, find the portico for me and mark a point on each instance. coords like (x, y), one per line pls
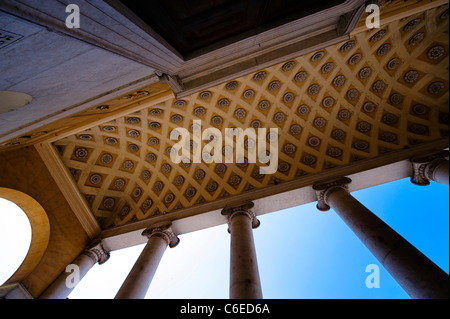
(327, 105)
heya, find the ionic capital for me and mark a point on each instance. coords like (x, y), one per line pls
(245, 209)
(97, 252)
(324, 189)
(423, 168)
(164, 231)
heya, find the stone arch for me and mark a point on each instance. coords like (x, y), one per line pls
(40, 231)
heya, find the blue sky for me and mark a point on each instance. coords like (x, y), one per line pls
(302, 252)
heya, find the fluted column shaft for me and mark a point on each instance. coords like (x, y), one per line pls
(60, 289)
(244, 275)
(417, 275)
(141, 275)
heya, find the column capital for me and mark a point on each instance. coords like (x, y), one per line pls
(164, 231)
(244, 209)
(423, 167)
(96, 251)
(325, 188)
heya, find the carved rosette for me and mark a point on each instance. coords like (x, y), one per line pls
(97, 252)
(423, 168)
(164, 231)
(324, 189)
(245, 209)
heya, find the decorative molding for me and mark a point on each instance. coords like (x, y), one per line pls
(173, 81)
(84, 115)
(65, 182)
(348, 21)
(418, 174)
(97, 252)
(164, 231)
(324, 189)
(241, 210)
(423, 167)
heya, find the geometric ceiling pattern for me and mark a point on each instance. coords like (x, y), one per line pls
(383, 90)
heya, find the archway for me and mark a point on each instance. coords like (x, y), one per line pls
(40, 231)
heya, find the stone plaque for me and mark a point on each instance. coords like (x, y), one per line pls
(8, 37)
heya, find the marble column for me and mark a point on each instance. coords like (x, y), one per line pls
(140, 277)
(244, 275)
(66, 282)
(433, 167)
(415, 273)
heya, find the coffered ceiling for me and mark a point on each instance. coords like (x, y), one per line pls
(380, 91)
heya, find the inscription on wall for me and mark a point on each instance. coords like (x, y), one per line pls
(8, 37)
